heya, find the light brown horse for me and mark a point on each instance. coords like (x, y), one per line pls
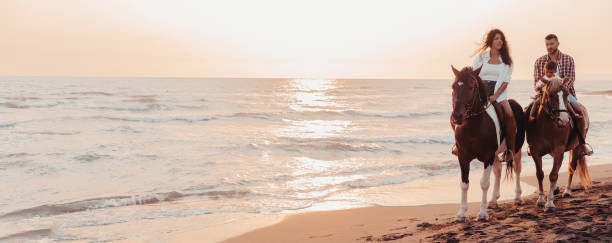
(476, 138)
(551, 133)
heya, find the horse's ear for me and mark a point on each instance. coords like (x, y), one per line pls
(455, 71)
(477, 71)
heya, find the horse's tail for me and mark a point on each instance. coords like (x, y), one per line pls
(521, 124)
(583, 171)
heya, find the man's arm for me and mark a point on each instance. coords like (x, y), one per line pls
(536, 72)
(571, 74)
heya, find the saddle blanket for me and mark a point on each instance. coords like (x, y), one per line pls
(491, 111)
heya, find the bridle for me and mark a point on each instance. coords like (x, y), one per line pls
(549, 111)
(475, 96)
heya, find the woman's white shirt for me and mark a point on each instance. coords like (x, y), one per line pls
(494, 72)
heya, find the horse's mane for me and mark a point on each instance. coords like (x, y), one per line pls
(553, 86)
(467, 73)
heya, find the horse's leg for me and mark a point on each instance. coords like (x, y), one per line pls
(454, 149)
(540, 175)
(485, 181)
(465, 173)
(497, 172)
(571, 168)
(582, 127)
(517, 172)
(554, 175)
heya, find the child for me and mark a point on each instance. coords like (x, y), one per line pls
(550, 70)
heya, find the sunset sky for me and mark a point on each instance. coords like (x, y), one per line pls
(309, 39)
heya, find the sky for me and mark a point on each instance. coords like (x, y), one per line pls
(291, 39)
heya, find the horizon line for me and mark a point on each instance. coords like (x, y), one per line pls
(229, 77)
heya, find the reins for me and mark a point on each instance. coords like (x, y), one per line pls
(468, 109)
(545, 101)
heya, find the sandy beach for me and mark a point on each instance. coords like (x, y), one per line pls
(139, 121)
(584, 216)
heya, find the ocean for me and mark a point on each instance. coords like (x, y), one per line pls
(105, 159)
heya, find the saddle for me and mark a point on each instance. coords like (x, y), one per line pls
(575, 134)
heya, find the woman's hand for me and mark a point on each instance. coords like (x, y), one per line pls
(492, 99)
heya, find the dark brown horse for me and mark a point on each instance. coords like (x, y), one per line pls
(551, 133)
(476, 137)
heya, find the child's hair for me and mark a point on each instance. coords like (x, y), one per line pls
(551, 65)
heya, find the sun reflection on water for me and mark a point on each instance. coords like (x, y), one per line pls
(315, 178)
(314, 128)
(313, 95)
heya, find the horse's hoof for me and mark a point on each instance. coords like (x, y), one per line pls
(567, 194)
(518, 202)
(550, 206)
(556, 191)
(460, 218)
(483, 217)
(540, 203)
(493, 205)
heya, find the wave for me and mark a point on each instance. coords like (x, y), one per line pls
(15, 155)
(415, 140)
(347, 144)
(91, 93)
(26, 106)
(395, 115)
(7, 124)
(9, 105)
(123, 129)
(143, 99)
(333, 113)
(194, 107)
(379, 181)
(147, 107)
(330, 146)
(391, 140)
(50, 133)
(258, 115)
(25, 98)
(354, 113)
(158, 120)
(30, 235)
(47, 210)
(190, 119)
(90, 157)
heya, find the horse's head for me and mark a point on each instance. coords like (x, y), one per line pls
(468, 92)
(554, 103)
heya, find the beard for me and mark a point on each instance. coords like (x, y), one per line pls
(553, 51)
